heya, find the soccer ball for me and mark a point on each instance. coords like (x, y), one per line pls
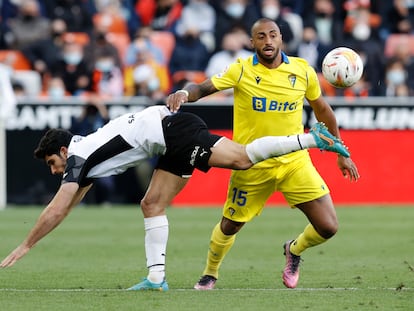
(342, 67)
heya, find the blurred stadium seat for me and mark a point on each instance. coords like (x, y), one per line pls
(189, 75)
(121, 41)
(111, 22)
(165, 40)
(78, 37)
(14, 59)
(395, 41)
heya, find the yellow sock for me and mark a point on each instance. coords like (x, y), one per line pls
(308, 238)
(220, 244)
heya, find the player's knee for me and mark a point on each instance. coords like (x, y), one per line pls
(329, 230)
(150, 206)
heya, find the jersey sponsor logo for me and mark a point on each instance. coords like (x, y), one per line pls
(258, 79)
(262, 104)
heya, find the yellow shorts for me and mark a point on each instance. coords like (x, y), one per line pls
(248, 191)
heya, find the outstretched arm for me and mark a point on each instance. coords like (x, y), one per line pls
(68, 195)
(324, 113)
(191, 93)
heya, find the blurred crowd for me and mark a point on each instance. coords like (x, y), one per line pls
(101, 50)
(117, 48)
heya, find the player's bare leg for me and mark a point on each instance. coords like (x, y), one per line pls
(222, 239)
(323, 225)
(163, 187)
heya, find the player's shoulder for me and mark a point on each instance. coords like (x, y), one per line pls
(298, 61)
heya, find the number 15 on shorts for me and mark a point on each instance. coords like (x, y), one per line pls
(239, 197)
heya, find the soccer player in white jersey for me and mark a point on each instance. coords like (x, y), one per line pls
(182, 142)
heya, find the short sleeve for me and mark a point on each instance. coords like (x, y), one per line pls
(313, 90)
(229, 77)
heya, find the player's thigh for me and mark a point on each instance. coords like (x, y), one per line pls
(163, 187)
(302, 183)
(247, 193)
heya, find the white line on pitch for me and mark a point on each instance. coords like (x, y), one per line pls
(217, 289)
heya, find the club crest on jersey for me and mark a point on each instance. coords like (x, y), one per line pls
(258, 79)
(292, 80)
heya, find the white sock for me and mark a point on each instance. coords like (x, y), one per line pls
(272, 146)
(156, 238)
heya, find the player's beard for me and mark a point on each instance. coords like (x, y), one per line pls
(268, 59)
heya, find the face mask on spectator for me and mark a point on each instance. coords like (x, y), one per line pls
(56, 92)
(104, 65)
(235, 10)
(409, 4)
(72, 58)
(153, 84)
(396, 76)
(271, 11)
(361, 32)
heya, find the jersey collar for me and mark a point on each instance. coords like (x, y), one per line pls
(285, 59)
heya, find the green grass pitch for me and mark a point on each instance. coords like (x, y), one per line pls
(89, 260)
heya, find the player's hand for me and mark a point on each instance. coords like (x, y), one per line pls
(175, 100)
(348, 168)
(14, 256)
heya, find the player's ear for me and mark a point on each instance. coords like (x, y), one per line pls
(64, 151)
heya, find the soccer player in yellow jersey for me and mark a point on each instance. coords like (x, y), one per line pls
(269, 92)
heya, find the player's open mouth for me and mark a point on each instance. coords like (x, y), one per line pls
(268, 51)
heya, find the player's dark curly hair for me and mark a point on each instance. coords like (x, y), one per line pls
(51, 143)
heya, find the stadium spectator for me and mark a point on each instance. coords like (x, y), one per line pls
(107, 77)
(271, 9)
(361, 28)
(312, 49)
(77, 14)
(27, 27)
(73, 69)
(122, 11)
(232, 47)
(325, 19)
(404, 53)
(201, 14)
(55, 89)
(159, 14)
(298, 7)
(234, 14)
(142, 40)
(396, 79)
(189, 53)
(8, 10)
(42, 54)
(146, 77)
(99, 42)
(400, 18)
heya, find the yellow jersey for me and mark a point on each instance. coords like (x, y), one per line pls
(268, 102)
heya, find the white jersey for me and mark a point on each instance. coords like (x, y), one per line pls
(122, 143)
